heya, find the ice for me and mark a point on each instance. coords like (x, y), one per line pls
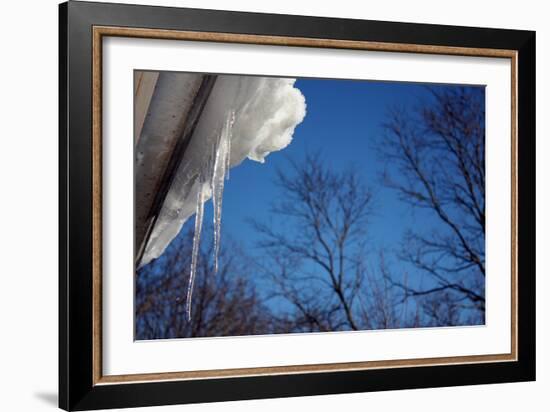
(196, 245)
(266, 112)
(213, 173)
(221, 166)
(244, 117)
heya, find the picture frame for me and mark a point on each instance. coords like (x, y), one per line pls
(84, 26)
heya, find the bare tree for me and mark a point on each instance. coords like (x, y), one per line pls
(318, 262)
(224, 303)
(436, 156)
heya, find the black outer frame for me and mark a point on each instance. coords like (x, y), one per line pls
(76, 389)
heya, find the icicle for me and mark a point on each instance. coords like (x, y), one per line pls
(215, 169)
(196, 246)
(221, 167)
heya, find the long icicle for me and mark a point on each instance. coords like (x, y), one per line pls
(196, 245)
(216, 169)
(221, 167)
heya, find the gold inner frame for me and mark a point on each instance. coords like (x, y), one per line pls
(100, 31)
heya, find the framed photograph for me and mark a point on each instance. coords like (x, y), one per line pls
(256, 206)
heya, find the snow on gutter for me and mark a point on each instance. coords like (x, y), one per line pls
(243, 117)
(163, 117)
